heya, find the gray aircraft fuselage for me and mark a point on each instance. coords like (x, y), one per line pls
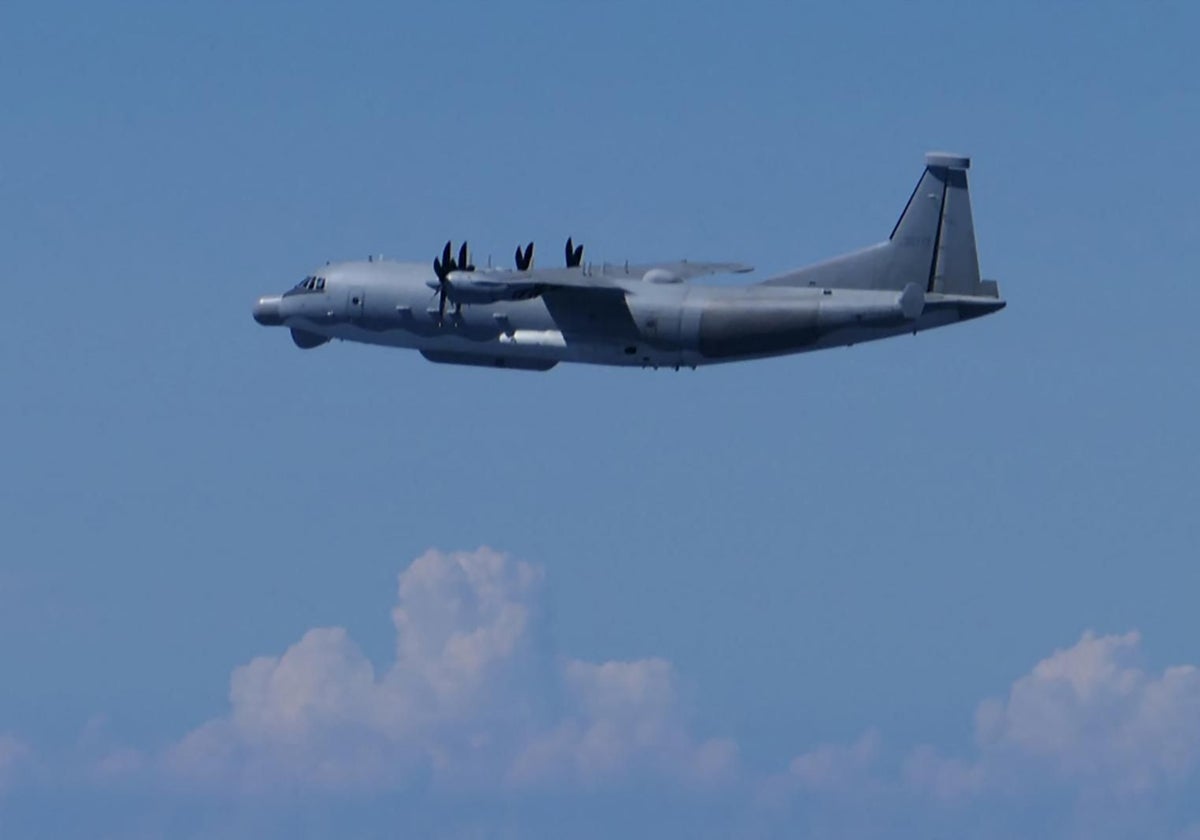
(924, 276)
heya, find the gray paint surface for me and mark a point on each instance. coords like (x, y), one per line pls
(925, 275)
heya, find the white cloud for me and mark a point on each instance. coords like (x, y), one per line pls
(1088, 743)
(831, 771)
(474, 697)
(476, 701)
(624, 717)
(836, 767)
(1086, 716)
(944, 778)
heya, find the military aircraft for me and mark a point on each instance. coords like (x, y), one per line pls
(924, 275)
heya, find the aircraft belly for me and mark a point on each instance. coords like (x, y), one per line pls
(524, 340)
(724, 329)
(850, 335)
(739, 328)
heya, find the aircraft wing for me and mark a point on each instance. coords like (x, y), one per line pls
(468, 284)
(605, 275)
(493, 284)
(562, 278)
(668, 272)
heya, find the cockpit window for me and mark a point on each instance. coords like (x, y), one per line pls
(309, 284)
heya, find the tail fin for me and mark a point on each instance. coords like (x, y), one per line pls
(934, 240)
(932, 244)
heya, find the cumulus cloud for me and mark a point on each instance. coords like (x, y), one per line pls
(475, 702)
(835, 766)
(623, 715)
(1086, 716)
(1088, 743)
(474, 696)
(832, 771)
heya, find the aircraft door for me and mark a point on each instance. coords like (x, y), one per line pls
(354, 304)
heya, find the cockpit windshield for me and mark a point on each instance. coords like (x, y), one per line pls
(311, 283)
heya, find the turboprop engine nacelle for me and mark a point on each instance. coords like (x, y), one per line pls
(469, 287)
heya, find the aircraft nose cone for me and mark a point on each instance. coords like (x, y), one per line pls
(266, 311)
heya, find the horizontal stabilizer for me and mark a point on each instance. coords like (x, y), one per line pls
(912, 301)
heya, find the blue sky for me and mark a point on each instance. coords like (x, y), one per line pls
(808, 575)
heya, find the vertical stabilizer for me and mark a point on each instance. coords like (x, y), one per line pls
(932, 245)
(934, 240)
(914, 240)
(956, 264)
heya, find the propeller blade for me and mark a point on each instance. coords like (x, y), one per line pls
(463, 255)
(524, 257)
(441, 304)
(448, 253)
(574, 254)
